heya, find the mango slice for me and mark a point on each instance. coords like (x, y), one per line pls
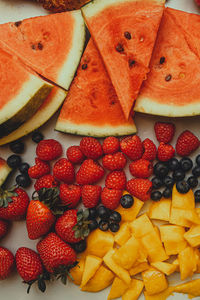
(118, 288)
(160, 210)
(154, 281)
(160, 296)
(192, 236)
(184, 201)
(191, 287)
(173, 238)
(77, 271)
(187, 262)
(141, 226)
(131, 213)
(138, 268)
(164, 267)
(92, 264)
(134, 290)
(124, 233)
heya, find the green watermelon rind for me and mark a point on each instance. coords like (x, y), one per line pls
(4, 171)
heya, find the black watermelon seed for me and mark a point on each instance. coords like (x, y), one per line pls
(40, 46)
(162, 60)
(131, 63)
(84, 66)
(168, 77)
(119, 48)
(18, 23)
(127, 35)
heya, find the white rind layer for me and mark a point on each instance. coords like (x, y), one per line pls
(4, 172)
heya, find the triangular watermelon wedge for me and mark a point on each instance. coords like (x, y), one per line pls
(92, 107)
(51, 45)
(172, 87)
(125, 32)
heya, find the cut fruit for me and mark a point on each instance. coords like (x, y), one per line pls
(125, 32)
(77, 272)
(51, 45)
(134, 290)
(172, 87)
(123, 235)
(163, 295)
(4, 170)
(184, 201)
(160, 210)
(164, 267)
(192, 236)
(131, 213)
(92, 264)
(138, 268)
(154, 281)
(191, 287)
(92, 107)
(141, 226)
(117, 289)
(187, 262)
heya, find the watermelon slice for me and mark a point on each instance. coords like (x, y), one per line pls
(92, 107)
(51, 45)
(21, 93)
(4, 171)
(42, 115)
(172, 88)
(125, 32)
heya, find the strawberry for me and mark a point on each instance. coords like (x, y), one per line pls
(89, 172)
(197, 2)
(91, 148)
(186, 143)
(48, 149)
(116, 161)
(150, 150)
(4, 226)
(116, 180)
(75, 155)
(46, 181)
(63, 170)
(165, 152)
(110, 145)
(70, 194)
(6, 263)
(164, 131)
(13, 204)
(141, 168)
(40, 169)
(90, 195)
(132, 147)
(140, 188)
(110, 198)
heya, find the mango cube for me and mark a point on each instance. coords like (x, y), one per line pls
(77, 272)
(160, 210)
(164, 267)
(160, 296)
(131, 213)
(92, 264)
(134, 290)
(192, 288)
(118, 288)
(180, 217)
(197, 209)
(197, 256)
(141, 226)
(192, 236)
(123, 235)
(154, 281)
(138, 268)
(99, 242)
(187, 262)
(184, 201)
(176, 264)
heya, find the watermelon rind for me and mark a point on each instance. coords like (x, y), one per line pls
(4, 171)
(42, 115)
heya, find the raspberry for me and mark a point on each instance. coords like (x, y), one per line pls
(141, 168)
(187, 143)
(90, 195)
(116, 180)
(150, 150)
(165, 152)
(63, 170)
(164, 131)
(70, 194)
(140, 188)
(40, 169)
(110, 145)
(47, 181)
(132, 147)
(48, 149)
(75, 155)
(110, 198)
(89, 172)
(116, 161)
(91, 148)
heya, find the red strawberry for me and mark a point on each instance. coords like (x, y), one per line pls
(63, 170)
(150, 150)
(110, 198)
(4, 225)
(141, 168)
(116, 180)
(110, 145)
(116, 161)
(91, 148)
(140, 188)
(14, 204)
(6, 262)
(197, 2)
(89, 172)
(165, 152)
(75, 155)
(90, 195)
(46, 181)
(186, 143)
(40, 169)
(70, 194)
(132, 147)
(48, 149)
(164, 131)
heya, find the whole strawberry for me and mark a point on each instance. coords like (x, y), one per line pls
(110, 145)
(116, 180)
(91, 148)
(186, 143)
(46, 181)
(140, 188)
(197, 2)
(63, 170)
(75, 155)
(70, 194)
(132, 147)
(164, 131)
(90, 172)
(90, 195)
(150, 150)
(14, 203)
(6, 263)
(110, 198)
(116, 161)
(4, 226)
(165, 152)
(49, 149)
(141, 168)
(40, 169)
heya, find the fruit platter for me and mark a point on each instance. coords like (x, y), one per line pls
(100, 149)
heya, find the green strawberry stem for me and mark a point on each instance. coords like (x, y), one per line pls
(6, 196)
(81, 228)
(40, 282)
(63, 271)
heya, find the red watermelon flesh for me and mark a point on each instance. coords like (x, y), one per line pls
(172, 87)
(92, 107)
(125, 32)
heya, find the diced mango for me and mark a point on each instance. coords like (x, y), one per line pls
(191, 287)
(124, 233)
(176, 263)
(142, 257)
(141, 226)
(131, 213)
(160, 210)
(99, 242)
(164, 267)
(197, 209)
(184, 201)
(138, 268)
(77, 272)
(197, 256)
(187, 262)
(192, 236)
(118, 288)
(92, 264)
(173, 238)
(178, 216)
(154, 281)
(134, 290)
(160, 296)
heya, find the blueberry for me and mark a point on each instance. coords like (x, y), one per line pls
(37, 137)
(168, 182)
(115, 217)
(198, 160)
(23, 180)
(197, 196)
(157, 182)
(103, 225)
(17, 147)
(192, 181)
(14, 161)
(23, 168)
(182, 187)
(93, 225)
(161, 170)
(92, 213)
(178, 175)
(156, 195)
(173, 164)
(80, 246)
(126, 201)
(114, 227)
(103, 212)
(196, 171)
(167, 193)
(186, 164)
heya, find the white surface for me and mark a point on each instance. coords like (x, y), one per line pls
(12, 288)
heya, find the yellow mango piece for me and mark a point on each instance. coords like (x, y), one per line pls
(176, 263)
(134, 290)
(191, 287)
(154, 281)
(123, 235)
(118, 288)
(184, 201)
(192, 236)
(173, 238)
(160, 296)
(127, 254)
(77, 271)
(160, 210)
(92, 264)
(164, 267)
(197, 256)
(138, 268)
(142, 257)
(197, 209)
(178, 216)
(118, 270)
(101, 280)
(187, 262)
(141, 226)
(131, 213)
